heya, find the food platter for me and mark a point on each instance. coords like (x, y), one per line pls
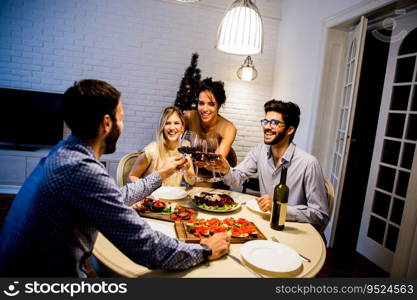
(161, 210)
(241, 230)
(213, 202)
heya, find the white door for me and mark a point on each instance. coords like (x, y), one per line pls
(390, 211)
(343, 133)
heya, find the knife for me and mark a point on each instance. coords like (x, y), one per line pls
(245, 266)
(302, 256)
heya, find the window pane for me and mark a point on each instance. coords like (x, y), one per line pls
(351, 71)
(399, 100)
(341, 125)
(391, 152)
(340, 139)
(402, 183)
(408, 155)
(345, 116)
(386, 178)
(347, 75)
(409, 45)
(353, 50)
(334, 170)
(397, 211)
(414, 101)
(376, 229)
(338, 159)
(380, 206)
(392, 237)
(412, 128)
(405, 68)
(395, 125)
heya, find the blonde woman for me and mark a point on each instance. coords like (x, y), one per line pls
(155, 155)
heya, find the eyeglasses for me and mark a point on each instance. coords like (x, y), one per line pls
(273, 123)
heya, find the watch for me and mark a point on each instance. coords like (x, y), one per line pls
(206, 251)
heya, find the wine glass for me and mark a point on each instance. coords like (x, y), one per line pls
(199, 155)
(211, 156)
(186, 144)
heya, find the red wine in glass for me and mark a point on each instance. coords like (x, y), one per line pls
(186, 149)
(199, 156)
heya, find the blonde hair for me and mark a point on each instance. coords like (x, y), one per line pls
(160, 137)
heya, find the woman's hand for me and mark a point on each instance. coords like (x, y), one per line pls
(189, 175)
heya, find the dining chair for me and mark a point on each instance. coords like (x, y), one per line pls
(251, 184)
(124, 167)
(330, 201)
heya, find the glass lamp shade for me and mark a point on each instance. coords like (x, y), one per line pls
(247, 71)
(240, 31)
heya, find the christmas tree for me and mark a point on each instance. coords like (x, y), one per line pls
(187, 95)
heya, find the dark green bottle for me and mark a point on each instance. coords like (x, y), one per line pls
(279, 203)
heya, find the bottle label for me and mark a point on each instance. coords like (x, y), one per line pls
(282, 214)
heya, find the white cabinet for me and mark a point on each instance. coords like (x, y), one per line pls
(15, 166)
(12, 169)
(31, 163)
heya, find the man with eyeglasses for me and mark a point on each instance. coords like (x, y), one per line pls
(307, 200)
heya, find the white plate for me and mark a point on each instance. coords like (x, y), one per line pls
(270, 256)
(162, 228)
(169, 193)
(253, 205)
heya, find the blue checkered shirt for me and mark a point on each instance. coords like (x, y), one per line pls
(52, 225)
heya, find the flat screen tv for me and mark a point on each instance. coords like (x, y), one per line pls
(29, 119)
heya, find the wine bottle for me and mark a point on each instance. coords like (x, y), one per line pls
(279, 203)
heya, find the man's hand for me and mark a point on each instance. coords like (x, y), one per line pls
(265, 202)
(172, 165)
(219, 244)
(220, 165)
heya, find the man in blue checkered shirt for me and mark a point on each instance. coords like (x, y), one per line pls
(52, 225)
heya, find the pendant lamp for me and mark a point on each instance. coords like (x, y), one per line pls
(247, 71)
(240, 31)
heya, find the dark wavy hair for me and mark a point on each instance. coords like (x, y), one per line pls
(290, 113)
(214, 87)
(86, 103)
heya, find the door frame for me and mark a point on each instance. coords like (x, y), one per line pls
(332, 56)
(401, 258)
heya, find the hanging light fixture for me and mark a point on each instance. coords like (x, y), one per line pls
(240, 31)
(247, 71)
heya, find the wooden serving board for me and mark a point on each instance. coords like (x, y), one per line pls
(185, 236)
(158, 216)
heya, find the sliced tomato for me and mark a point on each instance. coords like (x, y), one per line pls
(215, 229)
(242, 221)
(237, 232)
(214, 221)
(203, 230)
(229, 221)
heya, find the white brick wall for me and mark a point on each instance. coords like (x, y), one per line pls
(141, 47)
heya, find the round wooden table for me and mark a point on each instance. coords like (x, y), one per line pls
(302, 237)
